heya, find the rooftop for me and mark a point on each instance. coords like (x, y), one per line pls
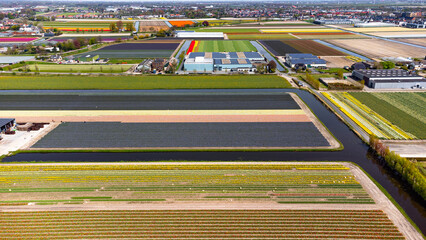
(4, 121)
(387, 73)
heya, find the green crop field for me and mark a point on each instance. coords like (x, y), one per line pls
(199, 224)
(118, 68)
(225, 46)
(142, 82)
(405, 110)
(260, 36)
(306, 183)
(83, 24)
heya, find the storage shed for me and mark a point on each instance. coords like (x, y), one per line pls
(6, 123)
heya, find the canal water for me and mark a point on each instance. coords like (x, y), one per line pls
(354, 151)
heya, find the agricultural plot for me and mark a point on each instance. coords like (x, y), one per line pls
(263, 184)
(136, 50)
(78, 26)
(327, 35)
(144, 82)
(281, 48)
(78, 68)
(300, 30)
(107, 101)
(223, 46)
(17, 39)
(199, 133)
(99, 38)
(386, 115)
(258, 36)
(417, 41)
(399, 34)
(150, 26)
(181, 23)
(195, 201)
(376, 48)
(205, 224)
(405, 110)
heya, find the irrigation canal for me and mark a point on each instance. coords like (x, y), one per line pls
(354, 149)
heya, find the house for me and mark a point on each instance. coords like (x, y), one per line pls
(55, 58)
(158, 64)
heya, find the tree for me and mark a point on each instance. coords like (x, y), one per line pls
(388, 65)
(206, 24)
(272, 65)
(120, 25)
(112, 27)
(340, 73)
(129, 27)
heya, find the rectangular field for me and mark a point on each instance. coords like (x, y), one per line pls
(224, 46)
(195, 201)
(249, 183)
(175, 135)
(117, 68)
(135, 50)
(205, 224)
(281, 48)
(256, 36)
(405, 110)
(376, 48)
(386, 115)
(144, 82)
(417, 41)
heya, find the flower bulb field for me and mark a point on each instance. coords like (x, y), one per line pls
(156, 200)
(227, 121)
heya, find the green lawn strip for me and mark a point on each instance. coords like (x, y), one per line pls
(395, 115)
(16, 190)
(141, 82)
(124, 60)
(91, 198)
(40, 201)
(72, 68)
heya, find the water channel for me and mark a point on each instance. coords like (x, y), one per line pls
(354, 151)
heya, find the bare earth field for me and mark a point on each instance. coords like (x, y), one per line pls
(418, 41)
(375, 48)
(337, 62)
(398, 34)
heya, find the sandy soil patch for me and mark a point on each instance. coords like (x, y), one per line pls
(375, 48)
(407, 148)
(337, 62)
(418, 41)
(398, 34)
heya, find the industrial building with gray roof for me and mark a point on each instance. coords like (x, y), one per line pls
(390, 78)
(223, 61)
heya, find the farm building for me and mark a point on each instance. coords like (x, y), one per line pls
(199, 35)
(386, 79)
(158, 64)
(375, 24)
(6, 123)
(223, 61)
(336, 21)
(304, 59)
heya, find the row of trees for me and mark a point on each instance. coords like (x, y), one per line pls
(77, 43)
(118, 27)
(406, 168)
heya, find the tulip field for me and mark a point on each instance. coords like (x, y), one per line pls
(91, 184)
(199, 224)
(386, 115)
